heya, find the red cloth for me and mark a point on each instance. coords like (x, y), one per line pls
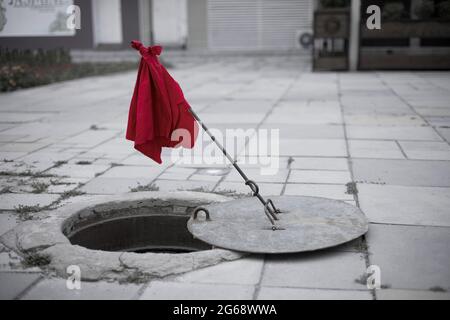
(158, 108)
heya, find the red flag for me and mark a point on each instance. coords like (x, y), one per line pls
(159, 114)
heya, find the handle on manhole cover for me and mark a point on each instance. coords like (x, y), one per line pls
(196, 211)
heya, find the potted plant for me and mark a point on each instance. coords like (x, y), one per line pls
(424, 10)
(443, 10)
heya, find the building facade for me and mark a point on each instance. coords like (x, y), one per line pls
(253, 25)
(211, 25)
(104, 24)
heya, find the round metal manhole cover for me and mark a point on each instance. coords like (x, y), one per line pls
(306, 223)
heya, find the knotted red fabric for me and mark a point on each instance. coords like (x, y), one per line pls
(159, 114)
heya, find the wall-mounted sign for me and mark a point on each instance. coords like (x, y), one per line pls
(34, 18)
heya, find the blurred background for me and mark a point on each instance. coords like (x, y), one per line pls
(415, 34)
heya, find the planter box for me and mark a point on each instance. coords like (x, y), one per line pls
(404, 61)
(336, 63)
(408, 29)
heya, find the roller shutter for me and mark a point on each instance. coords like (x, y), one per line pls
(258, 24)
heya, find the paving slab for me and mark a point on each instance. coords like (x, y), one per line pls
(395, 294)
(392, 133)
(440, 122)
(280, 293)
(65, 184)
(101, 185)
(256, 175)
(12, 262)
(10, 137)
(139, 159)
(338, 192)
(426, 150)
(45, 157)
(445, 133)
(7, 222)
(134, 172)
(307, 131)
(246, 271)
(10, 155)
(22, 147)
(176, 173)
(56, 289)
(10, 201)
(402, 172)
(5, 126)
(405, 205)
(307, 115)
(22, 168)
(17, 117)
(159, 290)
(225, 118)
(311, 163)
(237, 105)
(90, 138)
(118, 146)
(78, 171)
(205, 177)
(15, 283)
(434, 112)
(40, 129)
(316, 176)
(411, 257)
(313, 147)
(265, 165)
(327, 270)
(384, 120)
(375, 149)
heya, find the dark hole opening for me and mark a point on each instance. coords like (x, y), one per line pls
(140, 234)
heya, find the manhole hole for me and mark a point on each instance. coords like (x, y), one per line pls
(140, 234)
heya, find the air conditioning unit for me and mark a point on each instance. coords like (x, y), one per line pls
(304, 39)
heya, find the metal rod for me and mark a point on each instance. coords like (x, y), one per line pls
(271, 215)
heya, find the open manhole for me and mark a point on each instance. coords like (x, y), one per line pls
(122, 237)
(140, 234)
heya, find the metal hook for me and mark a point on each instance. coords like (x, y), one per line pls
(269, 216)
(268, 211)
(277, 211)
(253, 186)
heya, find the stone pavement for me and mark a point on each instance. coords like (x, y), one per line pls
(379, 140)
